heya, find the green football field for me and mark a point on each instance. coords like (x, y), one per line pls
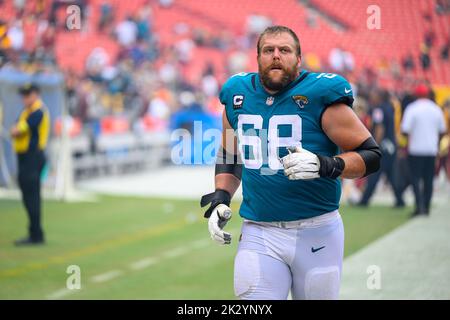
(136, 248)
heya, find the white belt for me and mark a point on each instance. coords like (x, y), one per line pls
(310, 222)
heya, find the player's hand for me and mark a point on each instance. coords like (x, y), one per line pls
(217, 221)
(300, 164)
(215, 198)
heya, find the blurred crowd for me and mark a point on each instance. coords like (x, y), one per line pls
(148, 82)
(382, 112)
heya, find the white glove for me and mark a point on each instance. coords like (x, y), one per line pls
(301, 164)
(217, 221)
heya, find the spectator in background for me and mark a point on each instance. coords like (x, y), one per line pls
(126, 32)
(158, 108)
(402, 176)
(383, 130)
(200, 36)
(237, 62)
(106, 16)
(184, 49)
(423, 123)
(255, 24)
(425, 58)
(96, 62)
(429, 38)
(16, 35)
(445, 49)
(349, 61)
(311, 18)
(71, 93)
(442, 6)
(210, 86)
(30, 136)
(312, 62)
(340, 60)
(361, 109)
(5, 41)
(19, 6)
(45, 40)
(39, 9)
(143, 24)
(168, 74)
(336, 59)
(165, 3)
(444, 148)
(408, 62)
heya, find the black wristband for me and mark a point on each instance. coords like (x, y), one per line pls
(331, 167)
(215, 198)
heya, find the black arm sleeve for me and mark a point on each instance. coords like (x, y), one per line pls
(228, 163)
(371, 154)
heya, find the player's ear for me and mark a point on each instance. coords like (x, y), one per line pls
(299, 61)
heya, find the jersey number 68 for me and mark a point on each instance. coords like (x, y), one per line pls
(273, 141)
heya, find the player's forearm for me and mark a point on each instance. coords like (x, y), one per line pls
(362, 161)
(227, 182)
(354, 165)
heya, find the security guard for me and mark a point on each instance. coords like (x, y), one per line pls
(30, 135)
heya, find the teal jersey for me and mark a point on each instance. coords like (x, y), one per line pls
(266, 125)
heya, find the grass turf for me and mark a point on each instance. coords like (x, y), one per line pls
(115, 232)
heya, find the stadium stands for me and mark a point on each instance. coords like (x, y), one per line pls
(116, 89)
(404, 24)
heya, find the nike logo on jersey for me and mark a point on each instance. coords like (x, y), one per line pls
(347, 90)
(317, 249)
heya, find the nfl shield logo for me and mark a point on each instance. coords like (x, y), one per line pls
(270, 100)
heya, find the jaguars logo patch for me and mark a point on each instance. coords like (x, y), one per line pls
(301, 101)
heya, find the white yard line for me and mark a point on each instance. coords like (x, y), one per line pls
(103, 277)
(60, 294)
(176, 252)
(143, 263)
(200, 243)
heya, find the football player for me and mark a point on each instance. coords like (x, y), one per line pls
(288, 135)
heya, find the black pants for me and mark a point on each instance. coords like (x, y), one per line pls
(30, 168)
(422, 174)
(403, 176)
(387, 168)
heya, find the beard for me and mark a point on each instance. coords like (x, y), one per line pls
(288, 75)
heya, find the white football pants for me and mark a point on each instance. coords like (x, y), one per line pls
(303, 256)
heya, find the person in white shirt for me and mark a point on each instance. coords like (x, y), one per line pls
(126, 32)
(423, 122)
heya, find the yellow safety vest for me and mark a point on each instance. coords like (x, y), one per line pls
(21, 143)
